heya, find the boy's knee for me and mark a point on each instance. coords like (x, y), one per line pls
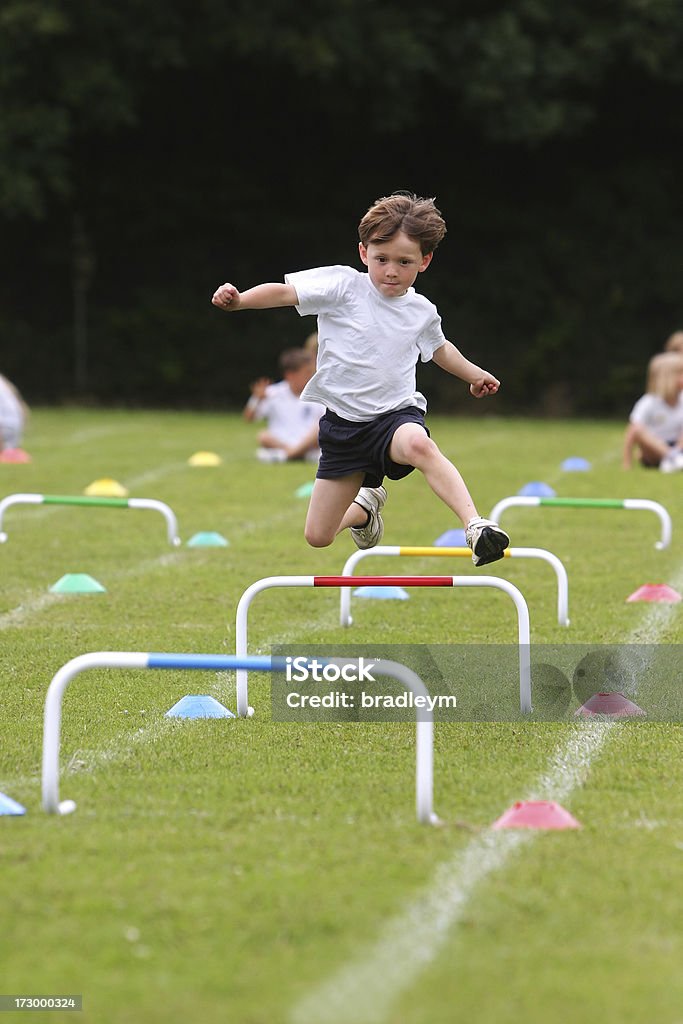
(421, 447)
(316, 538)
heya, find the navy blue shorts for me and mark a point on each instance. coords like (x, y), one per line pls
(348, 447)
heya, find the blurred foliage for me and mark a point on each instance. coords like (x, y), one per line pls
(147, 153)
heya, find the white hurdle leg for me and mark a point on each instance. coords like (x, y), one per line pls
(53, 717)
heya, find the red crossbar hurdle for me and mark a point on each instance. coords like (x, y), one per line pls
(269, 582)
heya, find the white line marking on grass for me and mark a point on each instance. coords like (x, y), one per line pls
(153, 475)
(33, 605)
(120, 747)
(30, 606)
(365, 989)
(88, 434)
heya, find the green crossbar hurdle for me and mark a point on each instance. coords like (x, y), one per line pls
(424, 751)
(241, 620)
(88, 500)
(456, 552)
(637, 504)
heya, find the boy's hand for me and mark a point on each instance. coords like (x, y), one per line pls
(258, 387)
(485, 385)
(226, 297)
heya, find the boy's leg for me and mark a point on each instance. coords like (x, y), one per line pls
(268, 440)
(306, 447)
(332, 509)
(411, 446)
(270, 448)
(652, 449)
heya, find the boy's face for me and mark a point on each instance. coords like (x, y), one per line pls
(394, 265)
(298, 379)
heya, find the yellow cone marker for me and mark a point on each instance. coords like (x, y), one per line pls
(204, 459)
(106, 488)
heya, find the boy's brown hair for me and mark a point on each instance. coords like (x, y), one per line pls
(293, 359)
(418, 218)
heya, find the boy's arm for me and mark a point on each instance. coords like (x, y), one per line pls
(262, 296)
(306, 444)
(258, 391)
(629, 442)
(451, 359)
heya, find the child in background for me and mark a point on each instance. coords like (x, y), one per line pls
(674, 343)
(13, 414)
(655, 427)
(372, 329)
(292, 425)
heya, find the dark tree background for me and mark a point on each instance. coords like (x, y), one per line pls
(149, 152)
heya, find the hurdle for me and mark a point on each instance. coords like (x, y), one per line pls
(637, 504)
(269, 582)
(88, 500)
(424, 755)
(458, 552)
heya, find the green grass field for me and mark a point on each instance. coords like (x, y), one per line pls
(260, 872)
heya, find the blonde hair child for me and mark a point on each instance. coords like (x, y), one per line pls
(655, 427)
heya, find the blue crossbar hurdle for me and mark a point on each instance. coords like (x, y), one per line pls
(221, 663)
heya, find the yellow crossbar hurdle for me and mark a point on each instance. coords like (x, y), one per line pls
(456, 552)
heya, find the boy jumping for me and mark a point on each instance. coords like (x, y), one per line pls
(372, 327)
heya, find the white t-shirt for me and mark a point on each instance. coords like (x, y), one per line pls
(368, 346)
(11, 415)
(289, 418)
(664, 420)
